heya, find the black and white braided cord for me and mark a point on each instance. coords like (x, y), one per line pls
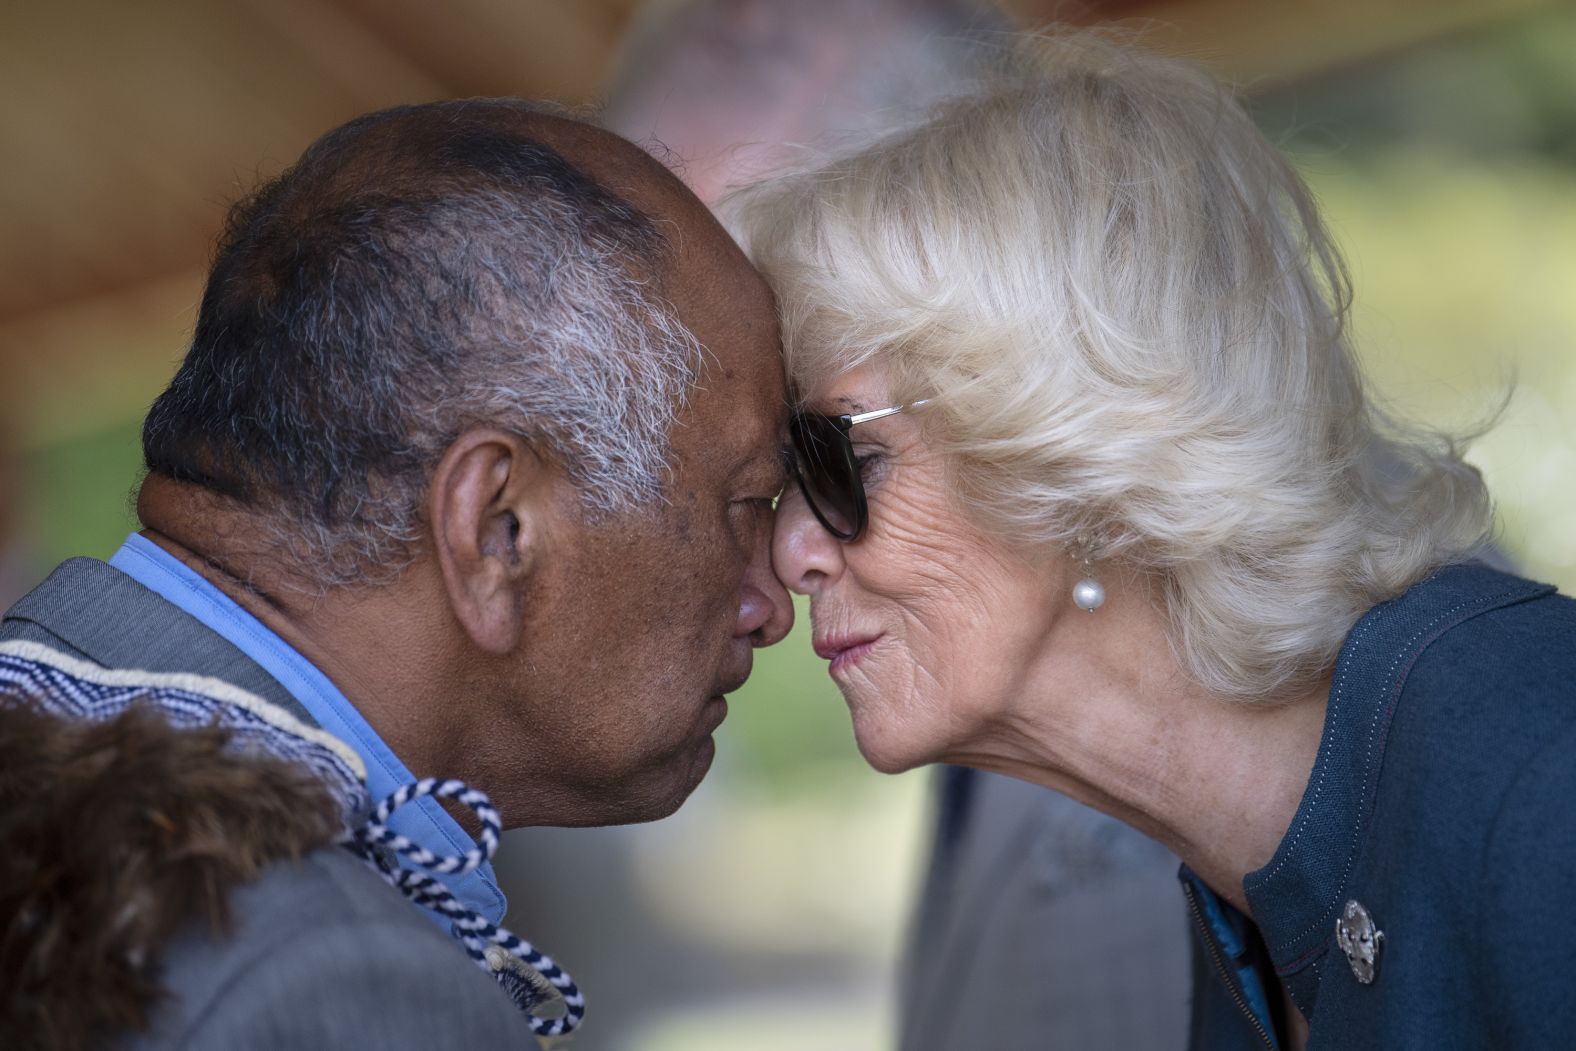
(475, 932)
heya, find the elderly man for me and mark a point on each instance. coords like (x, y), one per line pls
(468, 473)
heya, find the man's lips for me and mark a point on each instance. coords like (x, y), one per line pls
(844, 650)
(731, 684)
(713, 714)
(735, 676)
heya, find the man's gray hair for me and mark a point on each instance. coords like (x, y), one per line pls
(421, 271)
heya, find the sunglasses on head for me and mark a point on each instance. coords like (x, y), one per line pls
(828, 472)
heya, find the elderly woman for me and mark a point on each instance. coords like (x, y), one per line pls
(1090, 494)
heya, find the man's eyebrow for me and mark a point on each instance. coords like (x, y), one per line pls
(771, 465)
(772, 459)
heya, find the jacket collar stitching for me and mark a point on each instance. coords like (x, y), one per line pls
(1362, 804)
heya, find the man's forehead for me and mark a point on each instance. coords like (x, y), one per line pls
(741, 380)
(717, 293)
(704, 257)
(615, 163)
(594, 150)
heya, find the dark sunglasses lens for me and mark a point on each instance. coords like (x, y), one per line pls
(827, 472)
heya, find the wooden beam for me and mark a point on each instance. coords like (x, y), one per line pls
(94, 363)
(1256, 44)
(532, 48)
(121, 158)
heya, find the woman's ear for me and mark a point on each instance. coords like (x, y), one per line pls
(492, 503)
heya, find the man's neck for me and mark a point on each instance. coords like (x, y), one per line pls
(364, 639)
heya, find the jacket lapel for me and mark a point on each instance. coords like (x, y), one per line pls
(94, 611)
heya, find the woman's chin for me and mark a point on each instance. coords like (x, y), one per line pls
(885, 747)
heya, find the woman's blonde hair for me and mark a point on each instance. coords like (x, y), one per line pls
(1131, 322)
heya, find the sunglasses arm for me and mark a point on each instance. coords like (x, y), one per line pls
(881, 414)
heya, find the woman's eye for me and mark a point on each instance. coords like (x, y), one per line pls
(867, 464)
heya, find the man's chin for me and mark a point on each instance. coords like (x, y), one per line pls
(644, 788)
(691, 765)
(700, 760)
(660, 793)
(691, 772)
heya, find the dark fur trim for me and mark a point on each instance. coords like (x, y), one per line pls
(112, 836)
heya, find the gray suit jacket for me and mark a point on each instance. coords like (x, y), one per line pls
(323, 953)
(1044, 926)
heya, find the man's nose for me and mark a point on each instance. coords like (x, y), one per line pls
(804, 555)
(765, 610)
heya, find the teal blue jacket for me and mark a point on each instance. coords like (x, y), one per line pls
(1443, 801)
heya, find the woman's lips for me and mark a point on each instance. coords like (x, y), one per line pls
(844, 651)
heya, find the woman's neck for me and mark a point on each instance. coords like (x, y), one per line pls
(1108, 717)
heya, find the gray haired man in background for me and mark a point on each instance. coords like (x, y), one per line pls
(467, 473)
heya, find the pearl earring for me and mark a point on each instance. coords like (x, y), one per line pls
(1088, 595)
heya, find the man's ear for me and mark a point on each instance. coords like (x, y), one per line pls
(491, 504)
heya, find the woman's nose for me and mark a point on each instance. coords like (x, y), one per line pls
(804, 555)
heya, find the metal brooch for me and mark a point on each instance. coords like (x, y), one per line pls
(1360, 941)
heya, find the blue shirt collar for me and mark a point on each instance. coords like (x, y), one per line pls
(424, 821)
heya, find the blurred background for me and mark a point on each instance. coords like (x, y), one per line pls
(1440, 136)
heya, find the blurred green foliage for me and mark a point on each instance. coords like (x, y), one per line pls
(788, 729)
(80, 493)
(1504, 89)
(1447, 174)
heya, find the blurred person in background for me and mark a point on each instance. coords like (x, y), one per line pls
(1054, 921)
(468, 472)
(17, 568)
(729, 91)
(1091, 494)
